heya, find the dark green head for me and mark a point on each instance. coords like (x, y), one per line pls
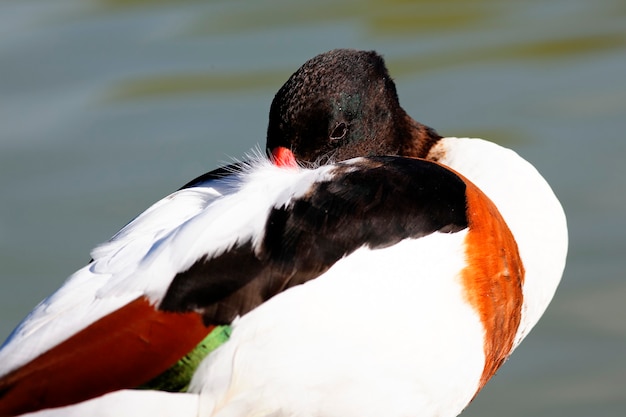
(339, 105)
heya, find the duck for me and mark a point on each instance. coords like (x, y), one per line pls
(363, 266)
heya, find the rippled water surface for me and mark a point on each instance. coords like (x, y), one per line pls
(106, 106)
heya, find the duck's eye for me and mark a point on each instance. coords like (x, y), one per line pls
(339, 131)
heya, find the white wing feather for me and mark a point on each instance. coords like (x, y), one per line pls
(143, 257)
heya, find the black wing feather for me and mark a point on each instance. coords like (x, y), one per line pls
(376, 202)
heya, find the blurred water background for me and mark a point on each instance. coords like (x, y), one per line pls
(106, 106)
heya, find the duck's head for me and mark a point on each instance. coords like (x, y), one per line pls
(343, 104)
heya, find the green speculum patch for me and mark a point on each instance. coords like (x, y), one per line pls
(178, 377)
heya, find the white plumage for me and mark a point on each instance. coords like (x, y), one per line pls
(406, 343)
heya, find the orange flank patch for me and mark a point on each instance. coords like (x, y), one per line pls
(124, 349)
(493, 278)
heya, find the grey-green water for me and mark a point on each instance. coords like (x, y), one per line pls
(106, 106)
